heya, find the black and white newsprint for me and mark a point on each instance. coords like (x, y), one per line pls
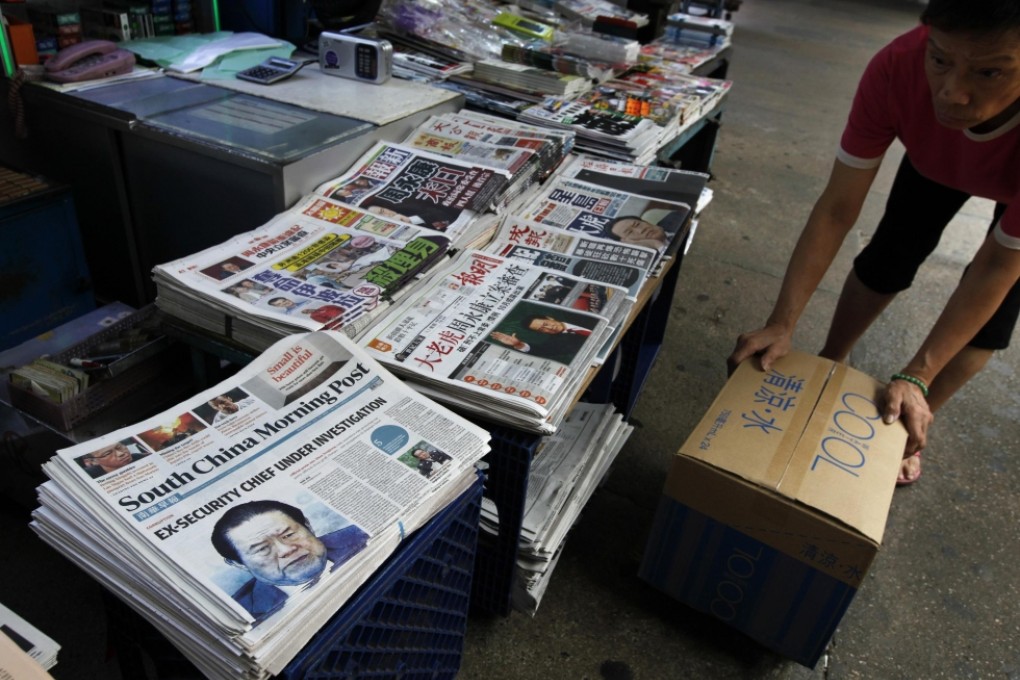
(239, 521)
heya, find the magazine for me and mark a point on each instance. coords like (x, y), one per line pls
(313, 449)
(502, 338)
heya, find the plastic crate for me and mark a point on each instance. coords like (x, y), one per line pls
(408, 621)
(119, 379)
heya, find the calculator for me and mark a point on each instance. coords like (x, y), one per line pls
(272, 70)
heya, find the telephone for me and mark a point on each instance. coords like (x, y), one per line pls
(88, 60)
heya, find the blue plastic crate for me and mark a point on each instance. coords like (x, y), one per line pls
(408, 621)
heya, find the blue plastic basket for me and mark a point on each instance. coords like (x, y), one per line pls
(408, 622)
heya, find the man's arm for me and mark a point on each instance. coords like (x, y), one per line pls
(994, 270)
(832, 217)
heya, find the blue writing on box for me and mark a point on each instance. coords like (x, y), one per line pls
(851, 428)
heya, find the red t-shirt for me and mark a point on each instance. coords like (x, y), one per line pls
(893, 100)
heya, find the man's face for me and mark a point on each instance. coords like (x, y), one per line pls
(278, 550)
(231, 267)
(974, 78)
(112, 457)
(224, 404)
(282, 302)
(546, 325)
(421, 454)
(632, 229)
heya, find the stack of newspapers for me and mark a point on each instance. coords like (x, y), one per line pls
(511, 332)
(531, 78)
(241, 520)
(565, 470)
(340, 256)
(526, 152)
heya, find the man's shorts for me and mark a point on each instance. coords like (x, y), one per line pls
(916, 213)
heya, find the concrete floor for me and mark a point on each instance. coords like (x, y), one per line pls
(940, 601)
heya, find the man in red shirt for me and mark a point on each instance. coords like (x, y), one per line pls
(949, 90)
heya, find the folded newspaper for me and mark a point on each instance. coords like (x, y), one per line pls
(508, 340)
(241, 520)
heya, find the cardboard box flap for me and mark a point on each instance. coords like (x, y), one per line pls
(846, 463)
(755, 423)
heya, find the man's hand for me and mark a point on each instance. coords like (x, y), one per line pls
(905, 400)
(507, 339)
(771, 342)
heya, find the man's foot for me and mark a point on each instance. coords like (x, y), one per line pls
(910, 470)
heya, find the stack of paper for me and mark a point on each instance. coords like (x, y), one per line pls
(241, 520)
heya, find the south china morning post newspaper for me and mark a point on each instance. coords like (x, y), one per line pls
(313, 424)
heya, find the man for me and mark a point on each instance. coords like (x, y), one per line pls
(108, 459)
(428, 459)
(950, 91)
(567, 339)
(274, 543)
(225, 406)
(655, 228)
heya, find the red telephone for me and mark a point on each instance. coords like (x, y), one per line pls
(89, 60)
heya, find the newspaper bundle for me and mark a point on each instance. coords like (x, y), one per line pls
(565, 470)
(241, 520)
(321, 264)
(505, 339)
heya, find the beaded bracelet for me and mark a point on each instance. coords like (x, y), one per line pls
(911, 379)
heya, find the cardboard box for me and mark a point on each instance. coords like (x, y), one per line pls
(775, 506)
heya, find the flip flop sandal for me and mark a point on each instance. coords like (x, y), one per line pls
(908, 482)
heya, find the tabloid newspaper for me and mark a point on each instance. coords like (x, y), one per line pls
(671, 184)
(239, 521)
(502, 338)
(597, 210)
(589, 257)
(418, 187)
(321, 264)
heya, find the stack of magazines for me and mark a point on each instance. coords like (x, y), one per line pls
(614, 134)
(241, 520)
(675, 57)
(531, 78)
